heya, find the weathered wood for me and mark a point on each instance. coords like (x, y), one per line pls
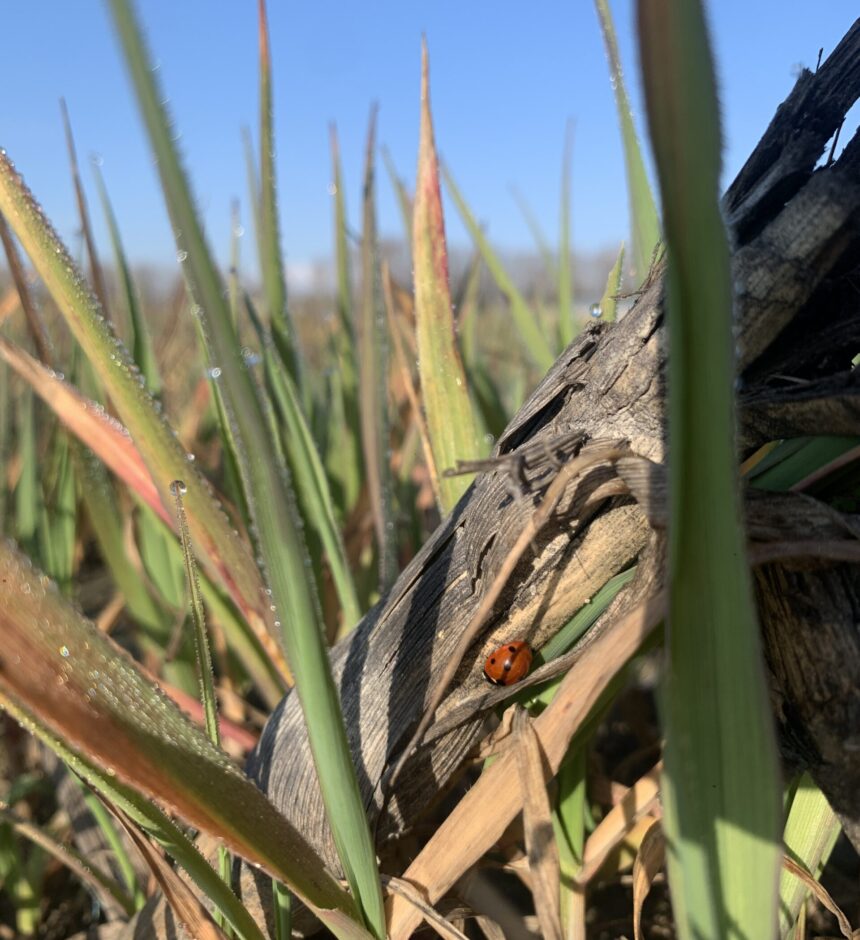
(798, 243)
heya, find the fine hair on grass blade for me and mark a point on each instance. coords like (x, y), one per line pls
(292, 600)
(643, 212)
(452, 429)
(721, 782)
(609, 302)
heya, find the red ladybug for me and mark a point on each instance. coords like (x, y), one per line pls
(509, 663)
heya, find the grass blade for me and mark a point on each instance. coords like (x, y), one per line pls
(75, 684)
(346, 466)
(226, 556)
(609, 301)
(810, 833)
(277, 529)
(540, 240)
(404, 202)
(141, 348)
(373, 376)
(451, 426)
(535, 342)
(643, 212)
(269, 242)
(96, 273)
(721, 783)
(565, 279)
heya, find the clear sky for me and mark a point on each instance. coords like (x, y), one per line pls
(505, 77)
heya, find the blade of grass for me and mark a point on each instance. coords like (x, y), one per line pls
(58, 513)
(535, 342)
(96, 273)
(609, 301)
(810, 833)
(373, 376)
(404, 201)
(721, 784)
(643, 212)
(452, 429)
(270, 502)
(346, 467)
(565, 285)
(141, 346)
(27, 494)
(226, 556)
(75, 684)
(540, 240)
(271, 260)
(34, 320)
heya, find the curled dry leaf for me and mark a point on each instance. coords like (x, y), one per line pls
(537, 824)
(649, 861)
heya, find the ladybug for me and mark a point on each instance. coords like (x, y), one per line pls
(509, 663)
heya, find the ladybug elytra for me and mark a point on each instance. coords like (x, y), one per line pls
(509, 663)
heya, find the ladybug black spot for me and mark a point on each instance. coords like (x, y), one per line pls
(493, 661)
(512, 649)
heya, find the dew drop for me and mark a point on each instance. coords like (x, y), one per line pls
(64, 652)
(178, 488)
(181, 256)
(214, 372)
(595, 310)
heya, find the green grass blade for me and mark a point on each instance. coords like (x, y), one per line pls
(76, 685)
(314, 493)
(565, 275)
(373, 376)
(27, 494)
(535, 341)
(226, 556)
(269, 243)
(549, 259)
(277, 528)
(96, 273)
(404, 201)
(141, 346)
(810, 833)
(57, 526)
(569, 825)
(451, 425)
(346, 465)
(643, 212)
(609, 301)
(721, 782)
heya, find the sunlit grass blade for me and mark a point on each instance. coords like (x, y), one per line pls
(312, 483)
(540, 239)
(721, 782)
(205, 673)
(810, 833)
(609, 301)
(269, 240)
(536, 343)
(565, 276)
(346, 465)
(96, 273)
(404, 200)
(6, 416)
(452, 429)
(277, 528)
(78, 686)
(643, 212)
(218, 546)
(141, 345)
(794, 460)
(373, 375)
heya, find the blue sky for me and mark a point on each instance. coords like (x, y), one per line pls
(504, 78)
